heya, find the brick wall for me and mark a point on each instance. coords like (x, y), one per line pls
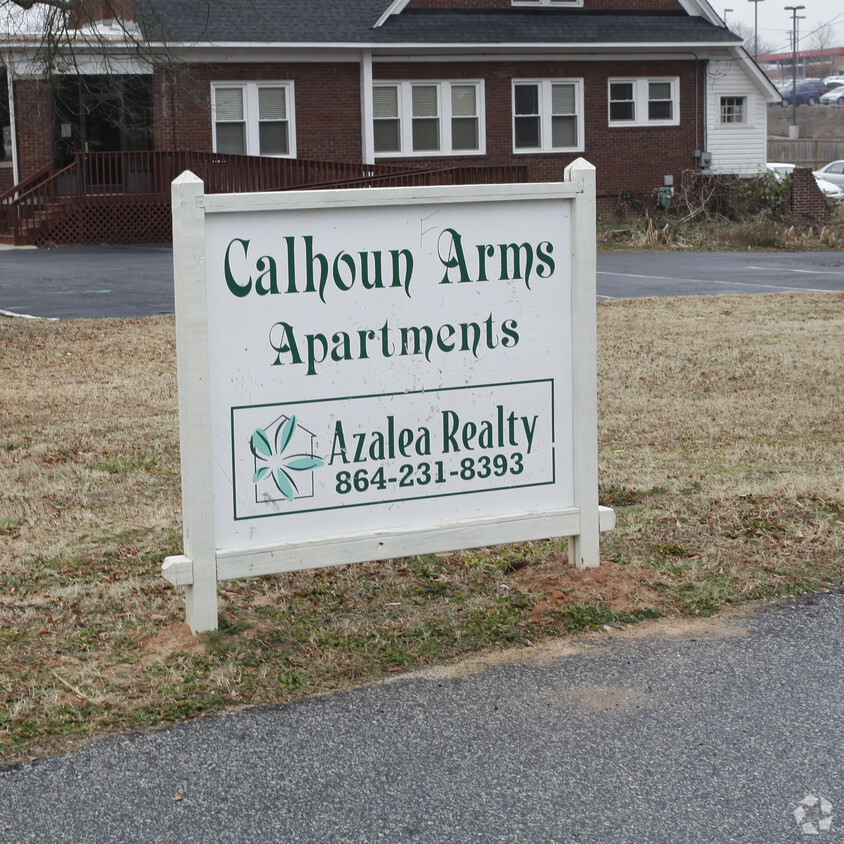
(91, 11)
(5, 179)
(33, 117)
(327, 106)
(807, 199)
(628, 159)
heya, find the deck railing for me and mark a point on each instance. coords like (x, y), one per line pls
(106, 184)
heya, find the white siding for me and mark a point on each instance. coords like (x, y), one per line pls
(739, 148)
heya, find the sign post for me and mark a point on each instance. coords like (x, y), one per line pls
(376, 373)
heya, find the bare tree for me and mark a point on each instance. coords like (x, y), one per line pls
(746, 31)
(822, 37)
(96, 68)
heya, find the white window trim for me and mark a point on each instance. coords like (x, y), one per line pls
(545, 116)
(546, 2)
(444, 115)
(748, 112)
(640, 100)
(250, 114)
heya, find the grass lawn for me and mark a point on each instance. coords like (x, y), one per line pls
(721, 430)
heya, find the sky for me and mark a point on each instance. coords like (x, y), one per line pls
(775, 22)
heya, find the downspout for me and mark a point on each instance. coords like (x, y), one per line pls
(699, 83)
(12, 123)
(703, 94)
(700, 95)
(367, 142)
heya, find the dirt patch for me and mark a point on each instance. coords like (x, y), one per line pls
(559, 585)
(730, 623)
(170, 640)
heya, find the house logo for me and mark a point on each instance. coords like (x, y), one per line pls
(284, 460)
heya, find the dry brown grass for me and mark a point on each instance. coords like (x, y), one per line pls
(722, 448)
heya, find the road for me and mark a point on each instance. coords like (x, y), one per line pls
(137, 281)
(633, 275)
(708, 732)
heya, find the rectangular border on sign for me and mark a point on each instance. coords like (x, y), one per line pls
(388, 500)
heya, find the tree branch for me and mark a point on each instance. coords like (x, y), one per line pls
(61, 5)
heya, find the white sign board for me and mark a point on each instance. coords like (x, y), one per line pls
(374, 373)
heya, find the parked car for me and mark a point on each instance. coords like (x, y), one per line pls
(833, 81)
(835, 96)
(832, 172)
(807, 94)
(831, 191)
(779, 171)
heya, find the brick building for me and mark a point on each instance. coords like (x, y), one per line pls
(643, 89)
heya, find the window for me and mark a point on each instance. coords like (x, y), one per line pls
(644, 102)
(253, 118)
(547, 115)
(427, 118)
(733, 109)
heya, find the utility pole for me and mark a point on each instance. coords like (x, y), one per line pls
(725, 15)
(793, 130)
(797, 38)
(756, 27)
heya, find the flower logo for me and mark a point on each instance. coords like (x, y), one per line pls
(276, 463)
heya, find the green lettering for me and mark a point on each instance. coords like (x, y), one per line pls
(511, 336)
(546, 262)
(344, 258)
(338, 444)
(450, 423)
(364, 270)
(266, 266)
(342, 346)
(322, 261)
(415, 335)
(396, 255)
(283, 341)
(483, 253)
(239, 290)
(514, 249)
(317, 351)
(450, 253)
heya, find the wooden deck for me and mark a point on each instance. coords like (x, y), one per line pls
(124, 197)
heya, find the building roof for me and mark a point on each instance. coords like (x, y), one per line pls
(334, 22)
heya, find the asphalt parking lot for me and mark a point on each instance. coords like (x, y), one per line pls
(92, 282)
